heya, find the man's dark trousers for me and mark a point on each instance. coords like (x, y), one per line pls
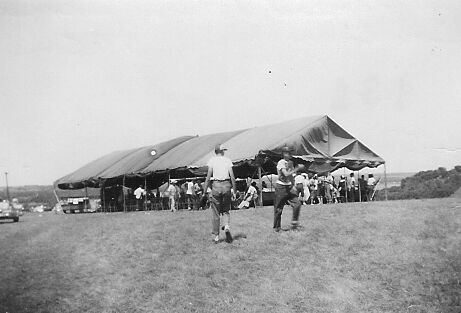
(284, 194)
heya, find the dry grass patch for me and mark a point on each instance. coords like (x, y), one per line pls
(399, 256)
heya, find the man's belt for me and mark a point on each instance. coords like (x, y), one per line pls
(220, 180)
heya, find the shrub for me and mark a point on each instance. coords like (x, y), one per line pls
(437, 183)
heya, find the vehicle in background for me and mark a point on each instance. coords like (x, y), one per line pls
(7, 211)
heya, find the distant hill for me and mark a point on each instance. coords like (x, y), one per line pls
(439, 183)
(31, 194)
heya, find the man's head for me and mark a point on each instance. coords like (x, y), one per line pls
(253, 184)
(219, 149)
(351, 174)
(287, 152)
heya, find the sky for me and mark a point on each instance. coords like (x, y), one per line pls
(80, 79)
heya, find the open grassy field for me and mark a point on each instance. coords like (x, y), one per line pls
(400, 256)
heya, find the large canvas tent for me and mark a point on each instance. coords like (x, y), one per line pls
(319, 143)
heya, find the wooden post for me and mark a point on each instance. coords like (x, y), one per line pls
(57, 199)
(145, 196)
(123, 191)
(85, 203)
(385, 181)
(103, 198)
(360, 191)
(260, 186)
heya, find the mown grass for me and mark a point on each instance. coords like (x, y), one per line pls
(397, 256)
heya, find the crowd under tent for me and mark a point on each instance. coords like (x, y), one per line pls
(319, 143)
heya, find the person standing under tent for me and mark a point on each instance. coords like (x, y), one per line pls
(139, 193)
(342, 188)
(198, 191)
(371, 182)
(299, 184)
(321, 189)
(249, 198)
(314, 185)
(221, 176)
(329, 188)
(172, 195)
(190, 195)
(352, 188)
(306, 190)
(285, 189)
(363, 188)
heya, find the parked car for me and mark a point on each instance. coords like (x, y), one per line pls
(7, 211)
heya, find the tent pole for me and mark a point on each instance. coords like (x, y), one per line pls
(385, 181)
(103, 199)
(145, 196)
(360, 191)
(345, 184)
(260, 186)
(57, 199)
(85, 206)
(123, 191)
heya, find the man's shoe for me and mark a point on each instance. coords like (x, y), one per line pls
(229, 238)
(277, 229)
(216, 239)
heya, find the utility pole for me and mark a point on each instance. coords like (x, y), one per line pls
(7, 189)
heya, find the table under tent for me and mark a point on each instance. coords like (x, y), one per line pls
(319, 143)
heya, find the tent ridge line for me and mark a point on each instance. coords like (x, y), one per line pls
(298, 130)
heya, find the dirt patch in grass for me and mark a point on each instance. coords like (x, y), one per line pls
(399, 256)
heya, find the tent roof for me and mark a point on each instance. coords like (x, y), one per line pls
(317, 140)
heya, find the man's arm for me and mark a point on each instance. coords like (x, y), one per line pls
(293, 171)
(207, 180)
(231, 174)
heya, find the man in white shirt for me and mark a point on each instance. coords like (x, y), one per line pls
(299, 184)
(352, 188)
(190, 195)
(307, 193)
(172, 195)
(249, 197)
(371, 182)
(139, 193)
(285, 189)
(221, 175)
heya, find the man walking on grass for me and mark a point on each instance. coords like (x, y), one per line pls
(221, 175)
(285, 189)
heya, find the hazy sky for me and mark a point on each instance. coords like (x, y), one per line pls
(80, 79)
